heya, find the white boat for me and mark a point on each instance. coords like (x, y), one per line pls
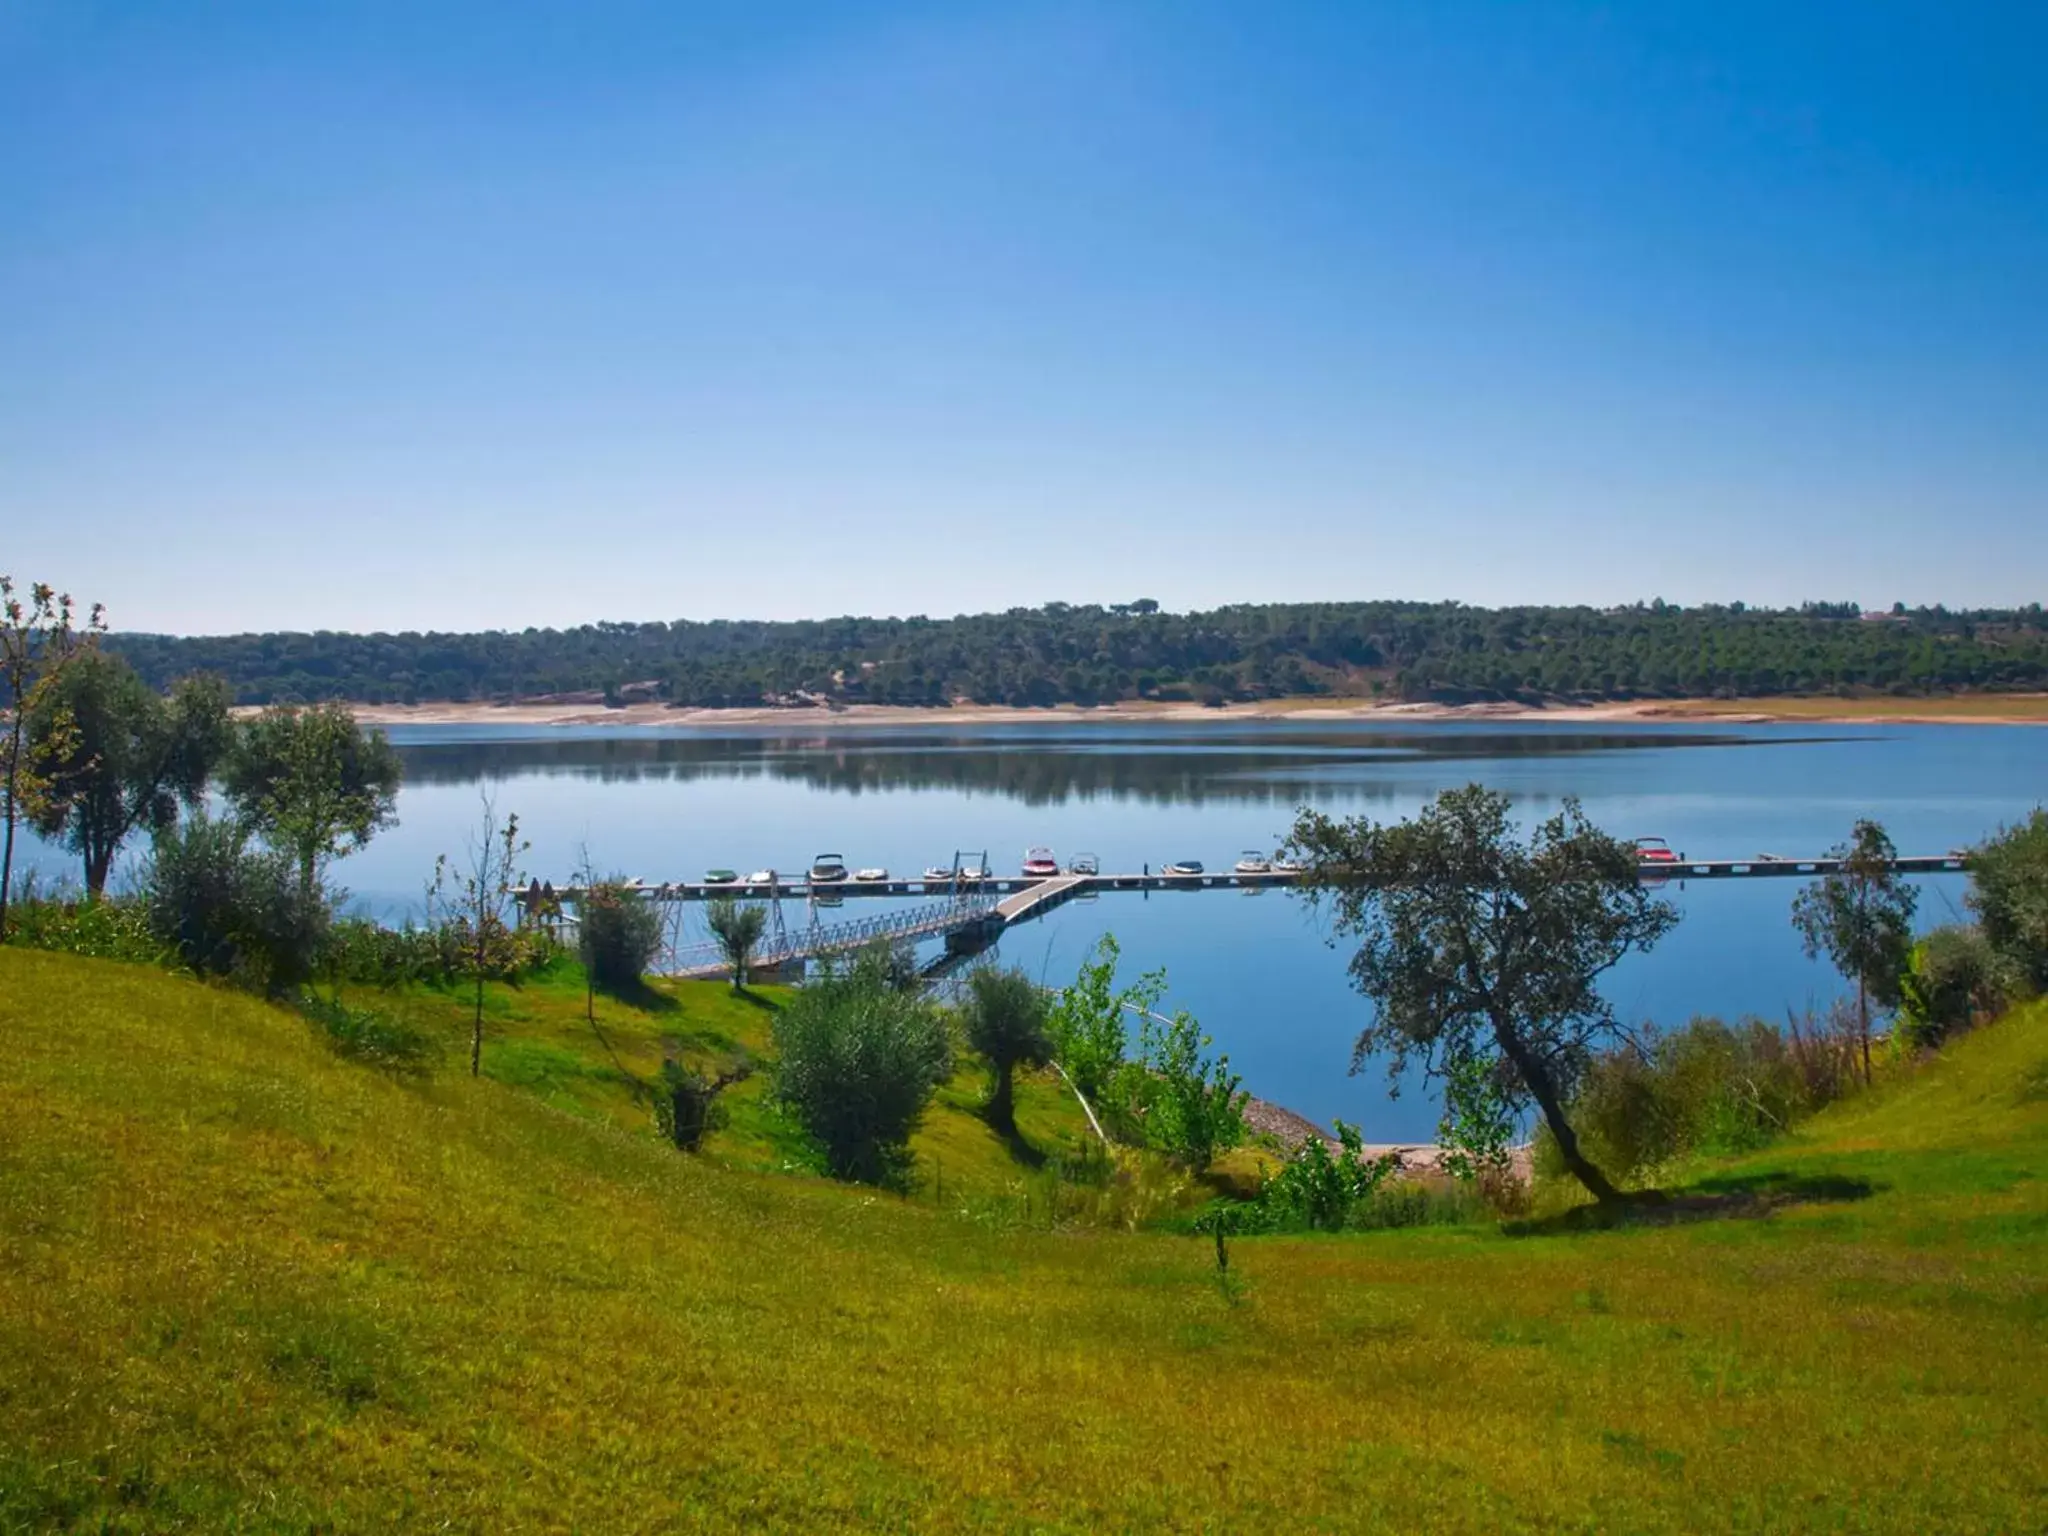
(1287, 867)
(973, 872)
(1084, 864)
(1253, 862)
(828, 869)
(1184, 867)
(938, 873)
(871, 876)
(761, 877)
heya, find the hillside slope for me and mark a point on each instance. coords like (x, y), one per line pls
(245, 1284)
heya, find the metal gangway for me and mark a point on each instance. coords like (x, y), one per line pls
(968, 918)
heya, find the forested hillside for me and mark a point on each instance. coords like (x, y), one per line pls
(1086, 654)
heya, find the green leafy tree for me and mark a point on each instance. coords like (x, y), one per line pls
(120, 757)
(38, 636)
(737, 928)
(1089, 1023)
(1861, 917)
(313, 782)
(1005, 1019)
(1478, 945)
(857, 1060)
(2009, 894)
(1193, 1103)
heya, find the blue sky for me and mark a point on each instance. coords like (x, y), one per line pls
(465, 315)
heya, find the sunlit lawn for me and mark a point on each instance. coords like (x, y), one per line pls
(246, 1284)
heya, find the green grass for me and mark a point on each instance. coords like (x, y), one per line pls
(598, 1057)
(247, 1284)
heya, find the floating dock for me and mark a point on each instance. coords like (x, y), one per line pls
(1049, 890)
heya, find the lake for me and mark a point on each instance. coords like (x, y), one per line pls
(1254, 966)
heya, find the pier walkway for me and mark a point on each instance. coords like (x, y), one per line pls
(970, 913)
(1762, 866)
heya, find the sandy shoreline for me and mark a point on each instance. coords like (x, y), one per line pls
(1979, 709)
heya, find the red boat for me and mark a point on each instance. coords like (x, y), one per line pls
(1654, 850)
(1040, 862)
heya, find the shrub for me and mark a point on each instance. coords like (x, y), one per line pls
(370, 1036)
(112, 928)
(618, 934)
(1822, 1049)
(227, 909)
(2009, 894)
(1317, 1190)
(858, 1062)
(366, 953)
(1954, 978)
(1709, 1087)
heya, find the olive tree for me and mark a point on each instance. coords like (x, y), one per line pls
(737, 929)
(313, 782)
(1005, 1019)
(1478, 945)
(1860, 915)
(857, 1059)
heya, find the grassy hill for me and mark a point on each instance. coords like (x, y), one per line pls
(247, 1284)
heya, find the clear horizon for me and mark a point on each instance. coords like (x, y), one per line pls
(379, 318)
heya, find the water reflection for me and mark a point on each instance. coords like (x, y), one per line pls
(1167, 767)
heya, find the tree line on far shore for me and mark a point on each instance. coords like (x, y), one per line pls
(1089, 654)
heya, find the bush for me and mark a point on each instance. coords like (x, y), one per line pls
(1954, 979)
(1088, 1021)
(1318, 1191)
(858, 1062)
(1709, 1087)
(370, 1036)
(227, 909)
(365, 953)
(2009, 894)
(1190, 1104)
(618, 934)
(112, 928)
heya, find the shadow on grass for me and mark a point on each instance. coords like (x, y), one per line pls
(641, 996)
(1020, 1149)
(1731, 1197)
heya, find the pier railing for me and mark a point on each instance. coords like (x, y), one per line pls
(934, 919)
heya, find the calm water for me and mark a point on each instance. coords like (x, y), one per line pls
(1254, 966)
